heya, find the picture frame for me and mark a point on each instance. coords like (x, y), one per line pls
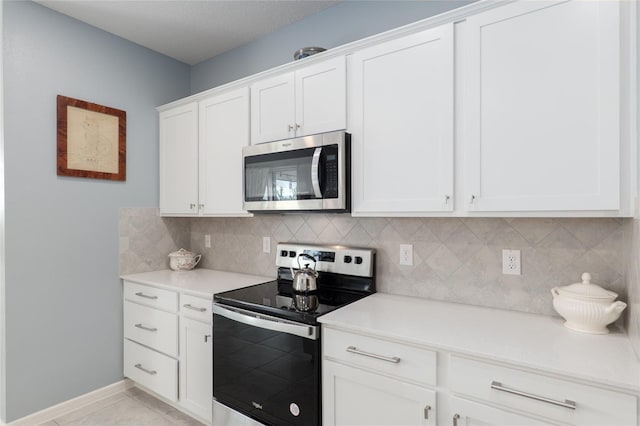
(92, 140)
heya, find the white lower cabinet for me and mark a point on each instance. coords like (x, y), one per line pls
(540, 395)
(356, 397)
(168, 347)
(196, 380)
(152, 369)
(468, 413)
(370, 380)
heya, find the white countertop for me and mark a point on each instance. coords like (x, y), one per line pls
(534, 341)
(199, 282)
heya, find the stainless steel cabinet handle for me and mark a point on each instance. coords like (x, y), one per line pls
(354, 350)
(140, 294)
(426, 412)
(446, 199)
(140, 367)
(473, 198)
(194, 308)
(290, 127)
(192, 206)
(145, 328)
(566, 403)
(297, 126)
(456, 417)
(206, 337)
(201, 206)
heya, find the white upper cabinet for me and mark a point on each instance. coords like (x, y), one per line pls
(201, 156)
(224, 130)
(307, 101)
(542, 107)
(401, 119)
(179, 160)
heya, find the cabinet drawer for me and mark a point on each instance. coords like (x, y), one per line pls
(395, 359)
(151, 369)
(151, 296)
(151, 327)
(195, 307)
(593, 405)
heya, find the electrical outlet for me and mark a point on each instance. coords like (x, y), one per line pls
(511, 262)
(207, 241)
(266, 244)
(406, 254)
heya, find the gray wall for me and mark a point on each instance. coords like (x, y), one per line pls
(63, 294)
(340, 24)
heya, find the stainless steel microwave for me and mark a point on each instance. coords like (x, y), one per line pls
(310, 173)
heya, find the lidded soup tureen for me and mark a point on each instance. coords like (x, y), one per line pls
(183, 260)
(587, 307)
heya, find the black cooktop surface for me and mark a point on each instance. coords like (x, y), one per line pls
(274, 297)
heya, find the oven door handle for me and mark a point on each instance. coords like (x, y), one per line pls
(270, 323)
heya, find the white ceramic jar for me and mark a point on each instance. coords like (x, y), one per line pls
(587, 307)
(183, 260)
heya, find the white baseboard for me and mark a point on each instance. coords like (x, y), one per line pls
(63, 408)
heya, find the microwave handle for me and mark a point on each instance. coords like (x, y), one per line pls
(315, 172)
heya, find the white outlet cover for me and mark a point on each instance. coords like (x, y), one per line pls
(406, 254)
(266, 244)
(511, 262)
(207, 241)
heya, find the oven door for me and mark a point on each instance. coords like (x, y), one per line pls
(266, 368)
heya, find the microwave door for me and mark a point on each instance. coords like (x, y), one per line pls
(283, 181)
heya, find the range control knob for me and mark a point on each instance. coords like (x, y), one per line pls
(358, 260)
(292, 254)
(283, 253)
(347, 259)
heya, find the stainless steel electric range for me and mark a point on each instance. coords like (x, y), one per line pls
(266, 353)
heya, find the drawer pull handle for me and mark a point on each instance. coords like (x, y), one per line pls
(456, 417)
(207, 337)
(566, 403)
(140, 367)
(354, 350)
(145, 328)
(146, 296)
(194, 308)
(427, 408)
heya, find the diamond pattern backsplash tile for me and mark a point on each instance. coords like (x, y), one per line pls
(455, 259)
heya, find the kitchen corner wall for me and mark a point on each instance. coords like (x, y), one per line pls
(632, 234)
(455, 259)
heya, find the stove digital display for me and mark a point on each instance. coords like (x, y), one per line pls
(322, 256)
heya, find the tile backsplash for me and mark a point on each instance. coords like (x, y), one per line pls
(454, 259)
(146, 239)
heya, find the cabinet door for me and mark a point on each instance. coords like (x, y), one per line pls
(355, 397)
(542, 107)
(179, 160)
(321, 97)
(196, 369)
(467, 413)
(272, 109)
(224, 130)
(401, 119)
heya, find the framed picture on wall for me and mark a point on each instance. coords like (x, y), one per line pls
(92, 140)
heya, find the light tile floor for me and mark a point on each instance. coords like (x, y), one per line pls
(132, 407)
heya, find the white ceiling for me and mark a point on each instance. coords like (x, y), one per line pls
(189, 30)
